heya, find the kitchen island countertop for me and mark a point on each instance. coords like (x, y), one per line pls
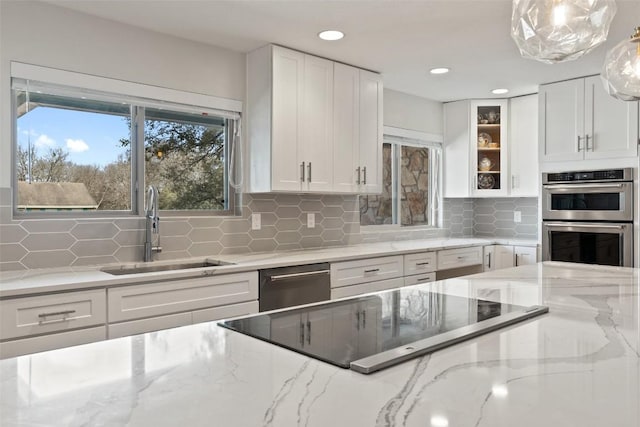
(579, 365)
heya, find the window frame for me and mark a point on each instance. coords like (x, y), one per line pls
(139, 96)
(399, 137)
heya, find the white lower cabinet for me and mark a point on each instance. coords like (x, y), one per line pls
(46, 322)
(363, 288)
(497, 257)
(461, 257)
(419, 278)
(366, 270)
(525, 255)
(153, 306)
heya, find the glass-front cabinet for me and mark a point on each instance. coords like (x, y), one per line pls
(489, 155)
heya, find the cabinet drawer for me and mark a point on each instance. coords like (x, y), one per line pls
(366, 270)
(51, 342)
(419, 263)
(454, 258)
(225, 312)
(419, 278)
(363, 288)
(134, 327)
(157, 299)
(44, 314)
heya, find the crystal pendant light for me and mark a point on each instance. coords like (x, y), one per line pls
(560, 30)
(621, 71)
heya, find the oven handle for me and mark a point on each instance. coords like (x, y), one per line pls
(295, 275)
(592, 188)
(577, 225)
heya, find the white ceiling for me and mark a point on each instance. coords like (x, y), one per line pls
(401, 39)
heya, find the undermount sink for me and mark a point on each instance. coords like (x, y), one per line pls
(163, 267)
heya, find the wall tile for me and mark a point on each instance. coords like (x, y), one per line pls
(12, 233)
(130, 237)
(94, 230)
(48, 259)
(48, 241)
(12, 252)
(205, 249)
(48, 225)
(99, 247)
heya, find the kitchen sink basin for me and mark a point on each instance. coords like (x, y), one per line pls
(120, 270)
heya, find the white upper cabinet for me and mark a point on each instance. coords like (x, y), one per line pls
(357, 130)
(579, 120)
(312, 124)
(476, 148)
(523, 146)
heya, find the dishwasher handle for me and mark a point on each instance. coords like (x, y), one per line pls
(278, 277)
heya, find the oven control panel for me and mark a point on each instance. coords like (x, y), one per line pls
(625, 174)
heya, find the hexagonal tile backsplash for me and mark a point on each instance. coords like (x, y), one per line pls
(42, 243)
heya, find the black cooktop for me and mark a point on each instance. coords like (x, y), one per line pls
(374, 331)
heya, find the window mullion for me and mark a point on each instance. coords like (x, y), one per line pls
(137, 159)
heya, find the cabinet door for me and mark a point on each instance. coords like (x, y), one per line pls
(369, 325)
(316, 141)
(503, 256)
(525, 255)
(489, 263)
(370, 132)
(456, 169)
(288, 329)
(318, 328)
(561, 115)
(489, 148)
(346, 128)
(288, 83)
(611, 125)
(523, 146)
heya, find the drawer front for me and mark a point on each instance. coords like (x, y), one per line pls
(22, 317)
(366, 270)
(225, 312)
(134, 327)
(420, 263)
(23, 346)
(419, 278)
(150, 300)
(382, 285)
(454, 258)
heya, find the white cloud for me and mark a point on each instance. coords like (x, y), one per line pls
(44, 141)
(76, 145)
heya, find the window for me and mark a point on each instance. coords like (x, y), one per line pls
(410, 176)
(79, 150)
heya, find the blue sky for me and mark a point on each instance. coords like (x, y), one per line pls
(89, 138)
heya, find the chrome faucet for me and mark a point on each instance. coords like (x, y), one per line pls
(152, 224)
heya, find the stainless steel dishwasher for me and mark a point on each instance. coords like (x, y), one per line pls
(288, 286)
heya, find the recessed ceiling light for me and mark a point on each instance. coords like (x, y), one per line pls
(331, 35)
(440, 70)
(499, 91)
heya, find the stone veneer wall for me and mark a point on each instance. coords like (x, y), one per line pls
(44, 243)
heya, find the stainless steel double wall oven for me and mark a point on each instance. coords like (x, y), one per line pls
(587, 216)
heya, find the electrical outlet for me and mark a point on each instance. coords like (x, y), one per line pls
(517, 216)
(311, 220)
(255, 221)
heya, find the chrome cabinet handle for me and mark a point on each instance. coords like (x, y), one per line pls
(301, 334)
(358, 170)
(587, 137)
(513, 181)
(43, 317)
(358, 320)
(423, 279)
(302, 172)
(309, 170)
(423, 263)
(579, 146)
(364, 319)
(516, 260)
(308, 332)
(374, 270)
(489, 263)
(364, 173)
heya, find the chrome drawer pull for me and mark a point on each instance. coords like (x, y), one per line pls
(423, 263)
(423, 279)
(64, 314)
(374, 270)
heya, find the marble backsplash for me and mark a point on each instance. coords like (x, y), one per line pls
(44, 243)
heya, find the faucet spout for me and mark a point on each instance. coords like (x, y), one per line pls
(152, 222)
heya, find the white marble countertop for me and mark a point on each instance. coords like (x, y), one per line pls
(578, 365)
(29, 282)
